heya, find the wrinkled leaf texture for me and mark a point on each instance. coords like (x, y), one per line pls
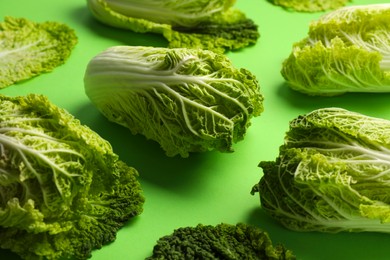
(63, 192)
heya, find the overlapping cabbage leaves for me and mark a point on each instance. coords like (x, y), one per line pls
(347, 50)
(63, 191)
(207, 24)
(187, 100)
(332, 174)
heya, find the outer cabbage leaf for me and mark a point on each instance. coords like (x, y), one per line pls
(213, 25)
(63, 192)
(188, 100)
(331, 175)
(347, 50)
(28, 49)
(187, 13)
(230, 30)
(310, 5)
(335, 69)
(223, 241)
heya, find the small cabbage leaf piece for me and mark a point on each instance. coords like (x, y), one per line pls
(214, 25)
(63, 191)
(347, 50)
(188, 100)
(310, 5)
(223, 241)
(28, 49)
(332, 174)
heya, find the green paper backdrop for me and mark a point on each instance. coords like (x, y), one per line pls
(212, 187)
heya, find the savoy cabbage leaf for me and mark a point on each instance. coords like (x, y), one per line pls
(28, 48)
(332, 174)
(63, 192)
(187, 100)
(347, 50)
(222, 241)
(214, 25)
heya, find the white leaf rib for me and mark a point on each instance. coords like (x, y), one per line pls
(24, 150)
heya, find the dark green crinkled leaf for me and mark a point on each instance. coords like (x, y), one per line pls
(223, 241)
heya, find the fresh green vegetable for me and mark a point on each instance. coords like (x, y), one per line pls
(188, 100)
(331, 175)
(310, 5)
(223, 241)
(63, 192)
(28, 49)
(347, 50)
(214, 25)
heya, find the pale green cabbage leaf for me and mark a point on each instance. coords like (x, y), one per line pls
(214, 25)
(347, 50)
(63, 191)
(28, 48)
(332, 174)
(188, 100)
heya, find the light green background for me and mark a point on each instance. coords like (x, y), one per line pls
(207, 188)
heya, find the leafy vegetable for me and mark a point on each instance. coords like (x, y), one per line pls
(310, 5)
(347, 50)
(63, 192)
(223, 241)
(28, 49)
(214, 25)
(331, 175)
(187, 100)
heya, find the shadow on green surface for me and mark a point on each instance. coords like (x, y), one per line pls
(173, 173)
(127, 37)
(258, 217)
(369, 103)
(320, 245)
(8, 255)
